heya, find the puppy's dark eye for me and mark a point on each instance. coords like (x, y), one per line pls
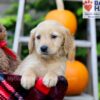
(38, 37)
(53, 36)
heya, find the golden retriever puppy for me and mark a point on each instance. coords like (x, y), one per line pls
(49, 44)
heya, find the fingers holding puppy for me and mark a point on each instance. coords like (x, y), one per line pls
(28, 80)
(50, 79)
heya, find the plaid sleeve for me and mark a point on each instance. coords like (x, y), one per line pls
(7, 91)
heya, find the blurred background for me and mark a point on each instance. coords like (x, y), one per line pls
(35, 12)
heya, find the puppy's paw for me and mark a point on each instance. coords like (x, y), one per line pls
(50, 80)
(28, 81)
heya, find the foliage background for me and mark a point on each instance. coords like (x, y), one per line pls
(35, 11)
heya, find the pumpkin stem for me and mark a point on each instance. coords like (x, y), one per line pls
(60, 4)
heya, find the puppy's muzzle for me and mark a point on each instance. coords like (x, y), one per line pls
(44, 49)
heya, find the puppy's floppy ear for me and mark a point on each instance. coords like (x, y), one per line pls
(69, 45)
(31, 43)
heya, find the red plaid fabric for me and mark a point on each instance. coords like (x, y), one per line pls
(10, 89)
(7, 91)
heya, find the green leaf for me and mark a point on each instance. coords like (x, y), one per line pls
(79, 11)
(98, 49)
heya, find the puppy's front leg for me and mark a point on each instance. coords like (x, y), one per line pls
(50, 79)
(28, 79)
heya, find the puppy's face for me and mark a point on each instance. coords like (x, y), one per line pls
(49, 39)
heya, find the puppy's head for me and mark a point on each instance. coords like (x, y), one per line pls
(50, 38)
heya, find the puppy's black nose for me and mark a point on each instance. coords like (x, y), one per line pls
(44, 48)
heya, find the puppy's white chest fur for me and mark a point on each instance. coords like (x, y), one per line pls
(51, 66)
(41, 66)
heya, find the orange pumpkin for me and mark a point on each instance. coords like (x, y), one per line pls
(64, 17)
(77, 76)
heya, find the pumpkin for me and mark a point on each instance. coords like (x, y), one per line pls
(77, 76)
(64, 17)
